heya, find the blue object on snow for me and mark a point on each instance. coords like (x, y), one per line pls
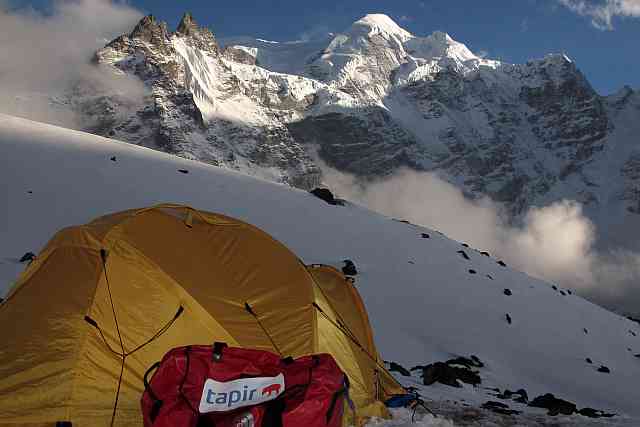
(400, 401)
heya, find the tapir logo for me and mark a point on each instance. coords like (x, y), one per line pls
(225, 396)
(273, 388)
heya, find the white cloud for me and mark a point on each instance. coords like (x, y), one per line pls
(524, 25)
(554, 242)
(602, 12)
(406, 18)
(42, 56)
(314, 33)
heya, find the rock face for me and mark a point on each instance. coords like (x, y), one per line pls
(195, 107)
(373, 99)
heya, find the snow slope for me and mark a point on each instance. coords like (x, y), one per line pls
(424, 303)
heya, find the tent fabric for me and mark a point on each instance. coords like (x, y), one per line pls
(143, 281)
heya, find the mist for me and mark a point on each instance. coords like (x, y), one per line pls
(43, 57)
(555, 243)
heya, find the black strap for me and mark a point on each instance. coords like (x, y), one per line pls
(187, 351)
(334, 400)
(145, 379)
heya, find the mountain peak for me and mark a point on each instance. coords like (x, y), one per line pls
(187, 24)
(439, 45)
(201, 36)
(150, 29)
(381, 23)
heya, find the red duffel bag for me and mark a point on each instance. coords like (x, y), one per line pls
(234, 387)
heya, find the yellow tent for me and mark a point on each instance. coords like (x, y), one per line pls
(143, 281)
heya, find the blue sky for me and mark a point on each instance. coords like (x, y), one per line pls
(601, 36)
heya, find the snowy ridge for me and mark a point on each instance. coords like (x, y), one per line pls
(424, 301)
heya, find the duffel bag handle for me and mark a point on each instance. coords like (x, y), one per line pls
(157, 403)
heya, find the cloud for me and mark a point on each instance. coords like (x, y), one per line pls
(602, 12)
(44, 56)
(406, 18)
(524, 25)
(482, 53)
(555, 242)
(314, 33)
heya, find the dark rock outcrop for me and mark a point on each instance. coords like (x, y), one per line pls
(29, 256)
(452, 371)
(326, 195)
(554, 405)
(519, 395)
(349, 268)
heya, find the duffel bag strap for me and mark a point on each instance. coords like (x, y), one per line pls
(157, 402)
(344, 391)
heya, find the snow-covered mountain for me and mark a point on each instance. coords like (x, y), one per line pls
(375, 98)
(429, 298)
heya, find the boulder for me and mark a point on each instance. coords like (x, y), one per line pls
(508, 318)
(29, 256)
(553, 404)
(501, 263)
(507, 292)
(604, 369)
(464, 254)
(449, 375)
(452, 371)
(485, 253)
(183, 171)
(425, 236)
(326, 195)
(349, 268)
(519, 396)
